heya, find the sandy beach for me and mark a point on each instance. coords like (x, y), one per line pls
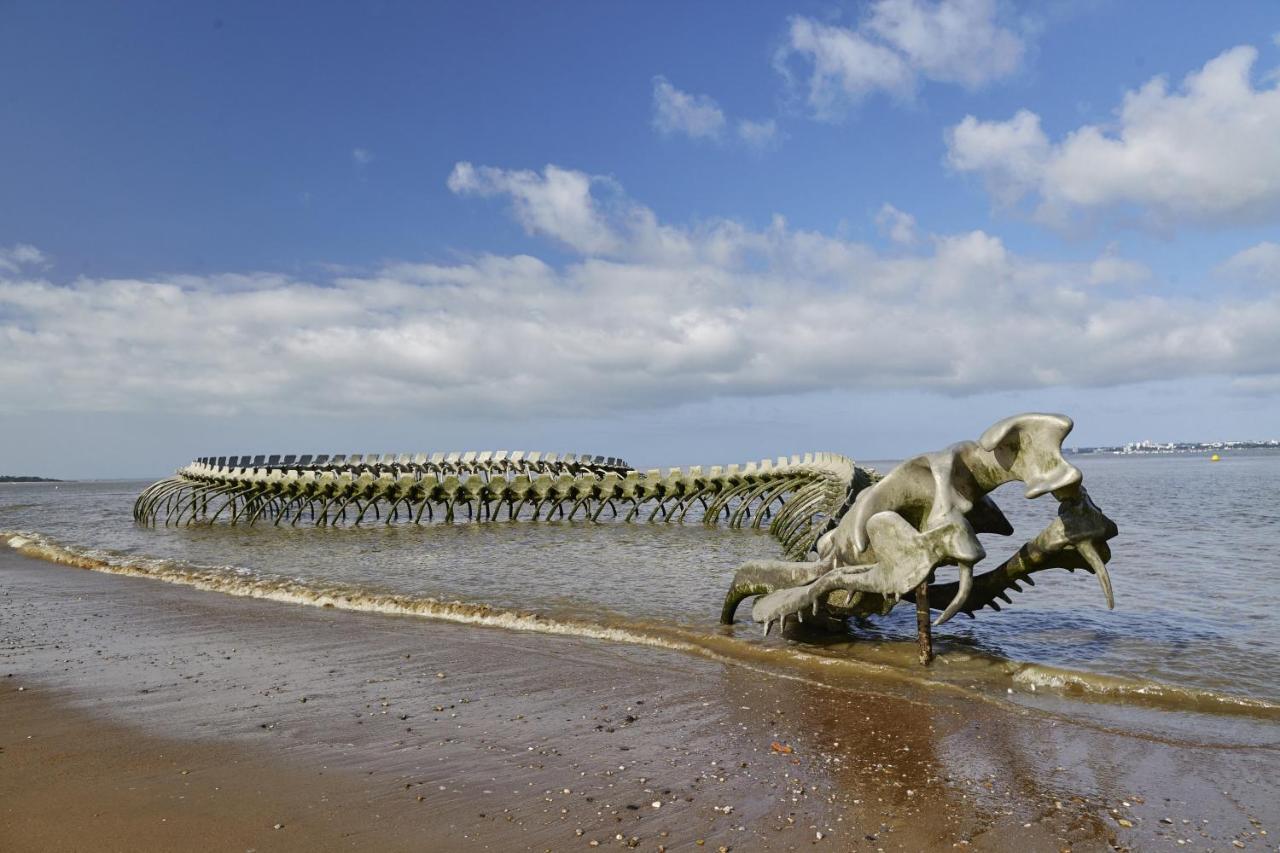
(848, 425)
(140, 715)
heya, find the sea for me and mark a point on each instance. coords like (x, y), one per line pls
(1192, 648)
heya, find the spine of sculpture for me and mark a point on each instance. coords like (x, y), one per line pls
(797, 497)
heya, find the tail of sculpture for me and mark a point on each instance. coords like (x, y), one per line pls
(800, 497)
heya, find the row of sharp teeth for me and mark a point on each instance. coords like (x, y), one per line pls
(782, 620)
(1086, 549)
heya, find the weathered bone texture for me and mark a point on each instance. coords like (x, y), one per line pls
(856, 544)
(927, 513)
(799, 497)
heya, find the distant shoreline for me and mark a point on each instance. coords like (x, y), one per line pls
(1151, 449)
(7, 478)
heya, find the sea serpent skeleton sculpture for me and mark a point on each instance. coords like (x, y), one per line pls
(856, 544)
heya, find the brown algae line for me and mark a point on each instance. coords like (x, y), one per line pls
(36, 546)
(1143, 692)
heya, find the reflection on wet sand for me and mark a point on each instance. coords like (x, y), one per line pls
(473, 736)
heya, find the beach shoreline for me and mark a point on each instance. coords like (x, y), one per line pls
(357, 730)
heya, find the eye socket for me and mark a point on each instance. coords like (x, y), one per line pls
(1006, 454)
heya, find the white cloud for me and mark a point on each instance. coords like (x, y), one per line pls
(898, 44)
(361, 157)
(846, 67)
(1259, 264)
(1205, 152)
(700, 117)
(951, 41)
(1110, 268)
(556, 203)
(649, 314)
(898, 226)
(674, 111)
(20, 255)
(1010, 155)
(758, 134)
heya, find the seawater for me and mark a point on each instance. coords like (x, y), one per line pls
(1196, 571)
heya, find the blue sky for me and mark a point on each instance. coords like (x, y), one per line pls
(673, 232)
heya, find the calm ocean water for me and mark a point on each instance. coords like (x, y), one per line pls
(1196, 572)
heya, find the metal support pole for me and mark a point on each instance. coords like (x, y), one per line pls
(924, 631)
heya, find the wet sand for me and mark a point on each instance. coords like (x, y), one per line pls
(141, 715)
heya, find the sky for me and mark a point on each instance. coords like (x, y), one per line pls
(670, 232)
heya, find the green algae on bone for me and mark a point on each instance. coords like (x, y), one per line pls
(796, 495)
(926, 514)
(856, 544)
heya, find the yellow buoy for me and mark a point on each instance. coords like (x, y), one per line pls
(1215, 458)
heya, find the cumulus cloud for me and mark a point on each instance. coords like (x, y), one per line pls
(845, 66)
(898, 226)
(758, 134)
(950, 41)
(1010, 155)
(647, 314)
(674, 111)
(898, 44)
(20, 255)
(361, 157)
(1259, 264)
(1204, 152)
(1111, 268)
(555, 203)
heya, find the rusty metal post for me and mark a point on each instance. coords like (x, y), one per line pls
(924, 631)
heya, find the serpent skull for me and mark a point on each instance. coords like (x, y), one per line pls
(927, 514)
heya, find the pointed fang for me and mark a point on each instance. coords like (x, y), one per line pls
(767, 624)
(1091, 556)
(962, 594)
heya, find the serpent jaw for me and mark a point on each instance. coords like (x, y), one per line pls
(940, 502)
(1076, 539)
